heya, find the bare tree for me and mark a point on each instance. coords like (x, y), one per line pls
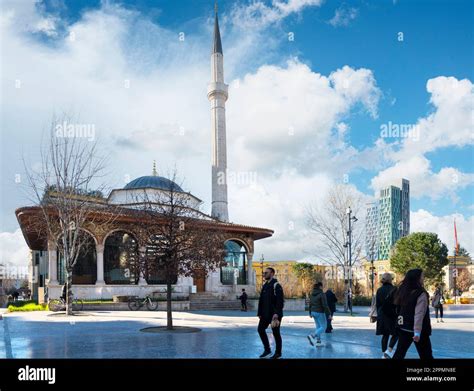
(65, 189)
(182, 240)
(329, 224)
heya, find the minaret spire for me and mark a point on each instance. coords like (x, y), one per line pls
(217, 95)
(154, 172)
(217, 46)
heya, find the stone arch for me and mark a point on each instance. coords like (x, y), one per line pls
(85, 269)
(121, 265)
(236, 257)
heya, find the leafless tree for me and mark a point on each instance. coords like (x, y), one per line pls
(66, 189)
(329, 224)
(182, 240)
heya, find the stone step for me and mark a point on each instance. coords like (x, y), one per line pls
(215, 305)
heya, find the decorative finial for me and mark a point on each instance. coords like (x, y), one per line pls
(215, 6)
(154, 173)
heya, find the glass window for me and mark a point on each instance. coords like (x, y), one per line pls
(236, 264)
(85, 269)
(121, 259)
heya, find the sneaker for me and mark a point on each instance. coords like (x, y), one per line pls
(442, 321)
(265, 354)
(437, 320)
(318, 343)
(311, 339)
(276, 356)
(388, 354)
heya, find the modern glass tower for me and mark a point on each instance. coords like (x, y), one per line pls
(388, 219)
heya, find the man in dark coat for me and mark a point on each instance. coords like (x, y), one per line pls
(386, 315)
(270, 311)
(243, 300)
(332, 300)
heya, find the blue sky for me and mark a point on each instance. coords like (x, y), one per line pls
(335, 42)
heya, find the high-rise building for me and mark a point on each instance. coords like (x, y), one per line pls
(388, 219)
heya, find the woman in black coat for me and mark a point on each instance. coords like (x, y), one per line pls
(386, 315)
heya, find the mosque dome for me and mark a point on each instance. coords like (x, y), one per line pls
(154, 182)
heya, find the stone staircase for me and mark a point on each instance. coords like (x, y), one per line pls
(208, 302)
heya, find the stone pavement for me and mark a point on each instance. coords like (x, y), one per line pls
(225, 334)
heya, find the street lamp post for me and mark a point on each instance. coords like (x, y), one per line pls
(261, 266)
(350, 219)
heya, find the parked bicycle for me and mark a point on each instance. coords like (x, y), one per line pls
(136, 303)
(56, 305)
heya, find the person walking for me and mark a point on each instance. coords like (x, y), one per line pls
(270, 312)
(413, 316)
(437, 302)
(386, 315)
(243, 300)
(320, 312)
(332, 300)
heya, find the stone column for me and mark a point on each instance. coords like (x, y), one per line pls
(141, 278)
(52, 264)
(99, 249)
(250, 273)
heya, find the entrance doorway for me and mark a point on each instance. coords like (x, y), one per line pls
(200, 281)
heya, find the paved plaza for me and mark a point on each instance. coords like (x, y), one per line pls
(224, 334)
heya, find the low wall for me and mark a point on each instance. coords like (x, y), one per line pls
(290, 304)
(109, 291)
(175, 306)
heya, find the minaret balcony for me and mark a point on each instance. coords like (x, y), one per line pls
(219, 89)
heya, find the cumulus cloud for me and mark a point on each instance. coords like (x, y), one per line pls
(13, 249)
(449, 125)
(424, 221)
(281, 117)
(423, 181)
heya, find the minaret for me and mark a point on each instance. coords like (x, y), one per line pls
(217, 95)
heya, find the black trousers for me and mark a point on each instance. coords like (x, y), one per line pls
(385, 343)
(262, 326)
(243, 305)
(440, 309)
(329, 327)
(423, 346)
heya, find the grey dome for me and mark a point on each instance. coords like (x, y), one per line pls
(155, 182)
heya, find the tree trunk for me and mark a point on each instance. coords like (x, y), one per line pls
(69, 293)
(169, 313)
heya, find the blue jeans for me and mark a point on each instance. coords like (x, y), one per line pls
(320, 322)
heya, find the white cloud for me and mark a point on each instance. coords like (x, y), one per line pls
(13, 249)
(449, 125)
(29, 16)
(451, 122)
(443, 226)
(343, 16)
(288, 117)
(423, 181)
(258, 15)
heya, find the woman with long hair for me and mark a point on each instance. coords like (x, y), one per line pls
(386, 315)
(413, 320)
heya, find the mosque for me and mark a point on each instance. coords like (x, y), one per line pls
(100, 272)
